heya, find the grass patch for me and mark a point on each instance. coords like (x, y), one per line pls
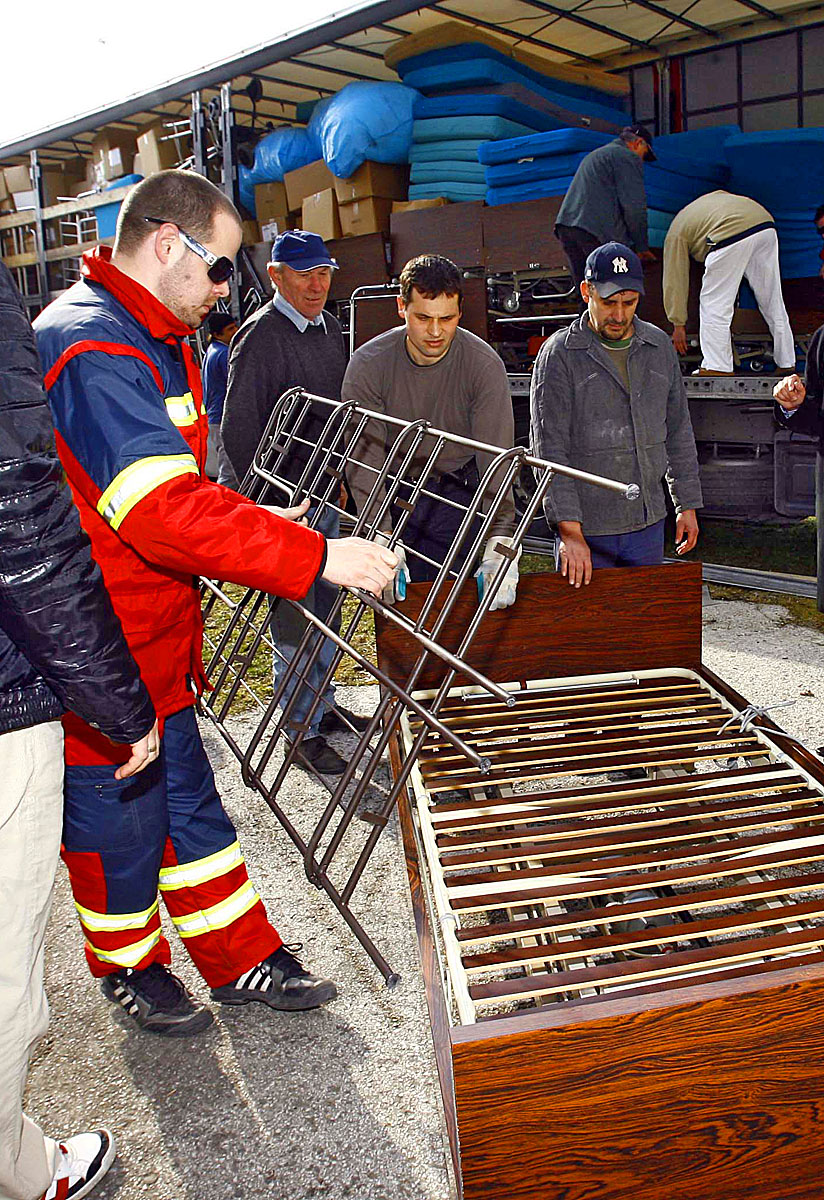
(786, 548)
(798, 609)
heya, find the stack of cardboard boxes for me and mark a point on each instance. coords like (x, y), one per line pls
(350, 207)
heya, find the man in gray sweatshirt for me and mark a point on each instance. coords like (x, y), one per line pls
(606, 201)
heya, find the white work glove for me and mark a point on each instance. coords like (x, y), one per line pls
(396, 590)
(490, 561)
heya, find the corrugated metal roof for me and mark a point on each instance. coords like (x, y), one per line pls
(319, 60)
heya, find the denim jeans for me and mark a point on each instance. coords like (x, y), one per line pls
(288, 627)
(641, 548)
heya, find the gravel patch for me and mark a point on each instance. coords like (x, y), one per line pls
(341, 1103)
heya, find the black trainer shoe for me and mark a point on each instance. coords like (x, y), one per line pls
(157, 1000)
(316, 753)
(333, 721)
(279, 981)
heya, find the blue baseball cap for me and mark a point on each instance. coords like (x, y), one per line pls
(613, 268)
(302, 251)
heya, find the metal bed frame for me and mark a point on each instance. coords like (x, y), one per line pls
(339, 835)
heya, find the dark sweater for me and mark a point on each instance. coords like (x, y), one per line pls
(268, 356)
(607, 197)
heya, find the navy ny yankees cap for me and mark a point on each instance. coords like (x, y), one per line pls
(613, 268)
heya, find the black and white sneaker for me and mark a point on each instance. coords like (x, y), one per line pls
(82, 1162)
(157, 1001)
(279, 981)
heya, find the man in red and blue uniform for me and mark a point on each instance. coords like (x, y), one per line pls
(126, 400)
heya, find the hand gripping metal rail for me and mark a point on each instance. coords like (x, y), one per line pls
(308, 446)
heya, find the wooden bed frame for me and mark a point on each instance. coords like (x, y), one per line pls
(704, 1090)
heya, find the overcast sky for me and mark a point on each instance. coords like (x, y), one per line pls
(60, 60)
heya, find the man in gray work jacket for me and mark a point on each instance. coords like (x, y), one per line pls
(608, 397)
(606, 200)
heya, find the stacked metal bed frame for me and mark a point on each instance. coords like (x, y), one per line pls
(625, 977)
(326, 437)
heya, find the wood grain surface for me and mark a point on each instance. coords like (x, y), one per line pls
(720, 1099)
(627, 619)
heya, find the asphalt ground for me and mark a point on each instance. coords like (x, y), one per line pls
(341, 1103)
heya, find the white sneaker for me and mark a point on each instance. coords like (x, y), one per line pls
(83, 1161)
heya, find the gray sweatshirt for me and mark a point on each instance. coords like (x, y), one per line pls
(464, 393)
(607, 197)
(583, 416)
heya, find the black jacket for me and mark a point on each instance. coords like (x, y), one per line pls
(809, 418)
(269, 356)
(61, 645)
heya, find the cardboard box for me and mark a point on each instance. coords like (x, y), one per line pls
(365, 216)
(387, 180)
(113, 152)
(251, 233)
(307, 181)
(320, 214)
(23, 200)
(270, 204)
(269, 232)
(17, 179)
(415, 205)
(157, 151)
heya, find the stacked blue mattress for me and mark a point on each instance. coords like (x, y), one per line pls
(543, 164)
(687, 166)
(540, 164)
(473, 95)
(783, 169)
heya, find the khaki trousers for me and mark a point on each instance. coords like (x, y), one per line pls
(31, 814)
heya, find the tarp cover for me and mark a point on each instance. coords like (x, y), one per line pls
(364, 121)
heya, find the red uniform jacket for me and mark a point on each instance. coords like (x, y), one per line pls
(126, 401)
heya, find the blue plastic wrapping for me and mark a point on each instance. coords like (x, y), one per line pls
(282, 150)
(364, 121)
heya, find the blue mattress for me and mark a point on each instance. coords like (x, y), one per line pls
(528, 191)
(674, 201)
(543, 145)
(487, 70)
(483, 105)
(470, 52)
(658, 219)
(464, 172)
(507, 173)
(443, 129)
(683, 186)
(715, 172)
(778, 165)
(697, 143)
(451, 190)
(457, 150)
(495, 98)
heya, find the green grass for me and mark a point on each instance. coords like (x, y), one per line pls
(786, 548)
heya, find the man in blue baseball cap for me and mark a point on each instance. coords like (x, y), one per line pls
(293, 342)
(607, 397)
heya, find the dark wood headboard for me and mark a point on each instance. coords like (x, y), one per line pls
(626, 619)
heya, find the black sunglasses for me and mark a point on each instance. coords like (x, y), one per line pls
(219, 268)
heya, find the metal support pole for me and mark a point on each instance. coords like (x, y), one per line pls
(39, 231)
(198, 124)
(819, 522)
(229, 176)
(664, 114)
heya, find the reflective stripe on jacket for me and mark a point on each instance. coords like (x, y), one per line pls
(127, 405)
